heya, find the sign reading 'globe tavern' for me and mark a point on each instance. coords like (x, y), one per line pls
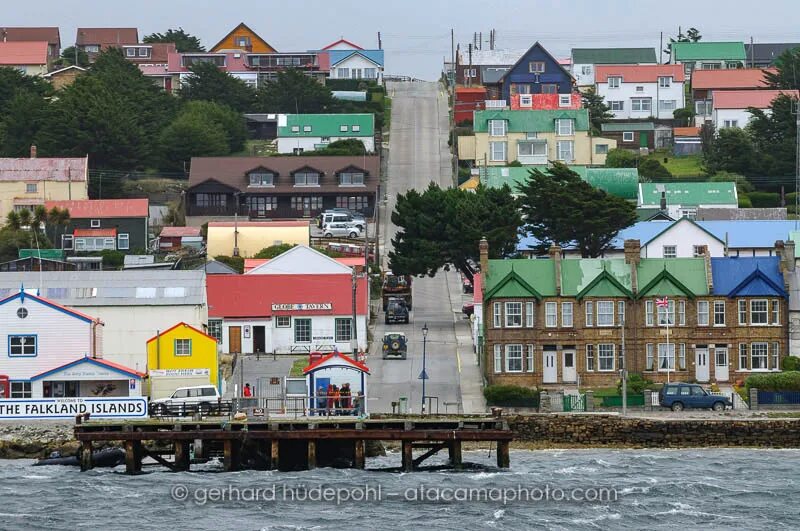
(302, 307)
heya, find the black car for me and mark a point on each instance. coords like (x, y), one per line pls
(395, 345)
(396, 312)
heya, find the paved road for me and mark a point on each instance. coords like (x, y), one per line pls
(419, 155)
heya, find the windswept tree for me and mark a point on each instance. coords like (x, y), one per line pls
(184, 42)
(561, 208)
(208, 83)
(787, 71)
(599, 112)
(691, 35)
(774, 136)
(443, 226)
(292, 91)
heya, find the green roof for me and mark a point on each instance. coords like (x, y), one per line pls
(622, 182)
(315, 125)
(613, 56)
(596, 277)
(699, 51)
(688, 194)
(631, 126)
(47, 254)
(543, 121)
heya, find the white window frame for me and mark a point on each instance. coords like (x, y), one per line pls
(649, 314)
(498, 128)
(605, 314)
(614, 82)
(536, 67)
(494, 156)
(67, 242)
(530, 355)
(605, 352)
(664, 81)
(343, 329)
(183, 347)
(756, 353)
(123, 241)
(589, 313)
(728, 124)
(717, 305)
(616, 105)
(682, 357)
(775, 314)
(94, 224)
(565, 127)
(526, 100)
(25, 389)
(741, 306)
(529, 315)
(564, 100)
(516, 349)
(497, 314)
(621, 312)
(775, 354)
(703, 310)
(130, 51)
(295, 329)
(641, 104)
(532, 145)
(666, 357)
(283, 321)
(25, 348)
(627, 136)
(215, 329)
(31, 188)
(681, 313)
(669, 251)
(649, 359)
(551, 314)
(744, 357)
(590, 367)
(567, 315)
(566, 155)
(498, 359)
(667, 105)
(667, 314)
(765, 312)
(511, 315)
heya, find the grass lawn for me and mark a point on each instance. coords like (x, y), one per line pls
(257, 148)
(387, 112)
(605, 391)
(151, 186)
(297, 367)
(688, 166)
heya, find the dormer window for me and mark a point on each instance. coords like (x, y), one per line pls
(295, 129)
(565, 127)
(564, 100)
(130, 52)
(306, 128)
(144, 52)
(306, 178)
(351, 178)
(536, 67)
(614, 81)
(342, 128)
(497, 127)
(262, 179)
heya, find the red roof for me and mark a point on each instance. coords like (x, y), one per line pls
(259, 224)
(470, 90)
(170, 329)
(103, 208)
(477, 288)
(106, 37)
(49, 34)
(23, 53)
(233, 296)
(742, 99)
(686, 131)
(732, 78)
(97, 233)
(338, 354)
(638, 73)
(343, 41)
(179, 232)
(349, 261)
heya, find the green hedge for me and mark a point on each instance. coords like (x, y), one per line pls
(744, 201)
(636, 384)
(779, 381)
(764, 199)
(511, 396)
(790, 363)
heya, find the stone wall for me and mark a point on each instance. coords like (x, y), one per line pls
(612, 430)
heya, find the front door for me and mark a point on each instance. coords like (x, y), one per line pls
(259, 343)
(306, 207)
(234, 339)
(550, 374)
(644, 139)
(701, 364)
(569, 374)
(721, 364)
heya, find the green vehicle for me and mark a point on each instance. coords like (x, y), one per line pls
(395, 346)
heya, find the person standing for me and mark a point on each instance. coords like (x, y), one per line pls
(321, 402)
(330, 400)
(346, 402)
(247, 392)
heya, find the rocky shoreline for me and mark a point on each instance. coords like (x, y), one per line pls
(36, 439)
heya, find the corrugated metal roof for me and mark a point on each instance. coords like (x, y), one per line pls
(688, 194)
(103, 208)
(276, 223)
(613, 56)
(621, 182)
(49, 34)
(314, 125)
(698, 51)
(768, 52)
(743, 214)
(730, 78)
(639, 73)
(23, 53)
(613, 127)
(179, 232)
(730, 273)
(337, 56)
(542, 121)
(43, 169)
(151, 287)
(742, 99)
(490, 57)
(107, 36)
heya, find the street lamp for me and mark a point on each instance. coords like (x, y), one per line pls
(424, 375)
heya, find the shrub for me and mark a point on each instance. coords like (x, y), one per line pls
(112, 259)
(790, 363)
(780, 381)
(636, 384)
(742, 184)
(764, 199)
(236, 262)
(511, 396)
(621, 158)
(744, 201)
(652, 169)
(273, 250)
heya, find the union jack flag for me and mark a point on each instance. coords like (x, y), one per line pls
(662, 303)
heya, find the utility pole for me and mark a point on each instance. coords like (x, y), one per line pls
(354, 327)
(624, 370)
(469, 73)
(796, 105)
(661, 48)
(380, 44)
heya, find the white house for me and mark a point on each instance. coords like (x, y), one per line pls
(730, 107)
(53, 351)
(298, 302)
(134, 304)
(309, 132)
(641, 91)
(586, 60)
(350, 61)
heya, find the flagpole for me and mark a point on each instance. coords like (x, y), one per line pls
(667, 324)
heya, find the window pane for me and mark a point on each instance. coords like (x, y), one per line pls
(513, 314)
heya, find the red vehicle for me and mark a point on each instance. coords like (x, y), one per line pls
(396, 287)
(5, 387)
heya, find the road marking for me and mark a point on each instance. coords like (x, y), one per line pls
(458, 360)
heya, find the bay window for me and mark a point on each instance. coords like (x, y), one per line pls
(605, 357)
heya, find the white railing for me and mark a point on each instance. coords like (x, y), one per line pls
(495, 104)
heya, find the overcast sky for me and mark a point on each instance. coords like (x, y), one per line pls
(416, 33)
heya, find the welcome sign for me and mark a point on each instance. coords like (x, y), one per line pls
(63, 408)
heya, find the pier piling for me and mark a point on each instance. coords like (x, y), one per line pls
(408, 456)
(182, 455)
(86, 456)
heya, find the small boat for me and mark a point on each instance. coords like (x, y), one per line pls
(107, 457)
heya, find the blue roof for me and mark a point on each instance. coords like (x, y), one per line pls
(337, 56)
(747, 277)
(740, 234)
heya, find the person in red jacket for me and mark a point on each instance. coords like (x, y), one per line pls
(247, 392)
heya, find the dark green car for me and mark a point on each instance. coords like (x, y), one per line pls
(395, 346)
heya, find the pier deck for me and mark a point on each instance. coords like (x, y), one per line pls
(282, 444)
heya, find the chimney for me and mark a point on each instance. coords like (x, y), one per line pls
(663, 204)
(633, 255)
(789, 254)
(555, 255)
(707, 260)
(33, 151)
(483, 246)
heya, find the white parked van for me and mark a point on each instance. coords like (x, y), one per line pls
(203, 396)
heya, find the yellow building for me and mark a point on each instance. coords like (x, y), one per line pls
(243, 38)
(533, 137)
(27, 183)
(181, 353)
(249, 237)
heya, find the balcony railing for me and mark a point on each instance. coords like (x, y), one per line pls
(495, 104)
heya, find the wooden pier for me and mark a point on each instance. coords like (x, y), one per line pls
(298, 444)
